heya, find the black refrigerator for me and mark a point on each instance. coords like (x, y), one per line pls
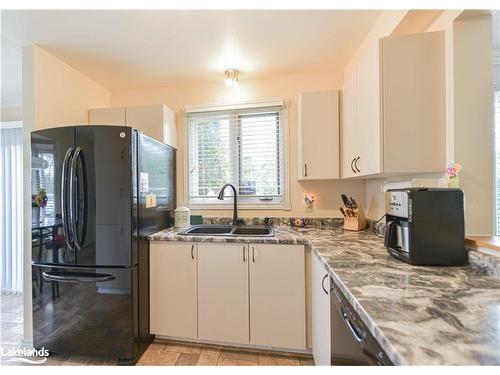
(106, 189)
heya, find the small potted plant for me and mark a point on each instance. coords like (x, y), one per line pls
(39, 201)
(452, 175)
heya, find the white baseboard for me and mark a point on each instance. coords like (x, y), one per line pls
(240, 346)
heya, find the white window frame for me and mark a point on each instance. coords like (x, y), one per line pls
(228, 203)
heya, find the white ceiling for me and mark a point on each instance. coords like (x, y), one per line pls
(146, 48)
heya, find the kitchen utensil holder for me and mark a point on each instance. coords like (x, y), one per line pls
(355, 223)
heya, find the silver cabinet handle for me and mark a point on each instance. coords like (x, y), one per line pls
(354, 332)
(244, 257)
(356, 164)
(253, 254)
(192, 252)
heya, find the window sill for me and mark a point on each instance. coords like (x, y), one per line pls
(241, 206)
(488, 242)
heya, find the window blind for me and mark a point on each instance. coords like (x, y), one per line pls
(243, 147)
(11, 213)
(497, 148)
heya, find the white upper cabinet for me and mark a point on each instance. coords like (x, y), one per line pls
(349, 136)
(393, 108)
(318, 135)
(368, 130)
(108, 116)
(156, 121)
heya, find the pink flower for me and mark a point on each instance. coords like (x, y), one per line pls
(453, 169)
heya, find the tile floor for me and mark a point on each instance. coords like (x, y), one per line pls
(160, 353)
(180, 354)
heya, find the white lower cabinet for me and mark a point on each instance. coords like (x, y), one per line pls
(173, 284)
(223, 292)
(277, 296)
(320, 313)
(229, 293)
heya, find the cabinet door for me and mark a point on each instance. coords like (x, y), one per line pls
(173, 303)
(277, 296)
(348, 127)
(148, 119)
(169, 128)
(368, 151)
(320, 313)
(107, 116)
(223, 293)
(414, 96)
(319, 135)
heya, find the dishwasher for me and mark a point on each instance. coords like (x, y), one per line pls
(351, 341)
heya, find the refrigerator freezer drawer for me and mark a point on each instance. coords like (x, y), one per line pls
(85, 311)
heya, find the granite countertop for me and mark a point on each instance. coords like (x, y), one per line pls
(419, 315)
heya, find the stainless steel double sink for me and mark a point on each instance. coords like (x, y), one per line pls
(229, 230)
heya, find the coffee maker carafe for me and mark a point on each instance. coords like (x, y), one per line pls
(425, 226)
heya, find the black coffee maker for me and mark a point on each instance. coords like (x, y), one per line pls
(425, 226)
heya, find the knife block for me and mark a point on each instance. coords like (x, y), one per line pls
(355, 223)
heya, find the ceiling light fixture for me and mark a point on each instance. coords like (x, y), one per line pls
(231, 77)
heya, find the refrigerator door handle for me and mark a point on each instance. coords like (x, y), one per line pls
(83, 176)
(73, 211)
(76, 277)
(65, 216)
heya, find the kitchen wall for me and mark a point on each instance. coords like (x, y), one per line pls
(286, 86)
(54, 94)
(62, 95)
(469, 131)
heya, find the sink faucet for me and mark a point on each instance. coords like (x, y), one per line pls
(235, 207)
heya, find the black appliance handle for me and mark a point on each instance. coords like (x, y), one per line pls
(73, 193)
(64, 199)
(354, 332)
(390, 239)
(352, 168)
(77, 277)
(356, 164)
(85, 198)
(323, 284)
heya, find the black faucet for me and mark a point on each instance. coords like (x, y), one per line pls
(235, 208)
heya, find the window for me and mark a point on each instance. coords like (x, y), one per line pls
(42, 177)
(244, 147)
